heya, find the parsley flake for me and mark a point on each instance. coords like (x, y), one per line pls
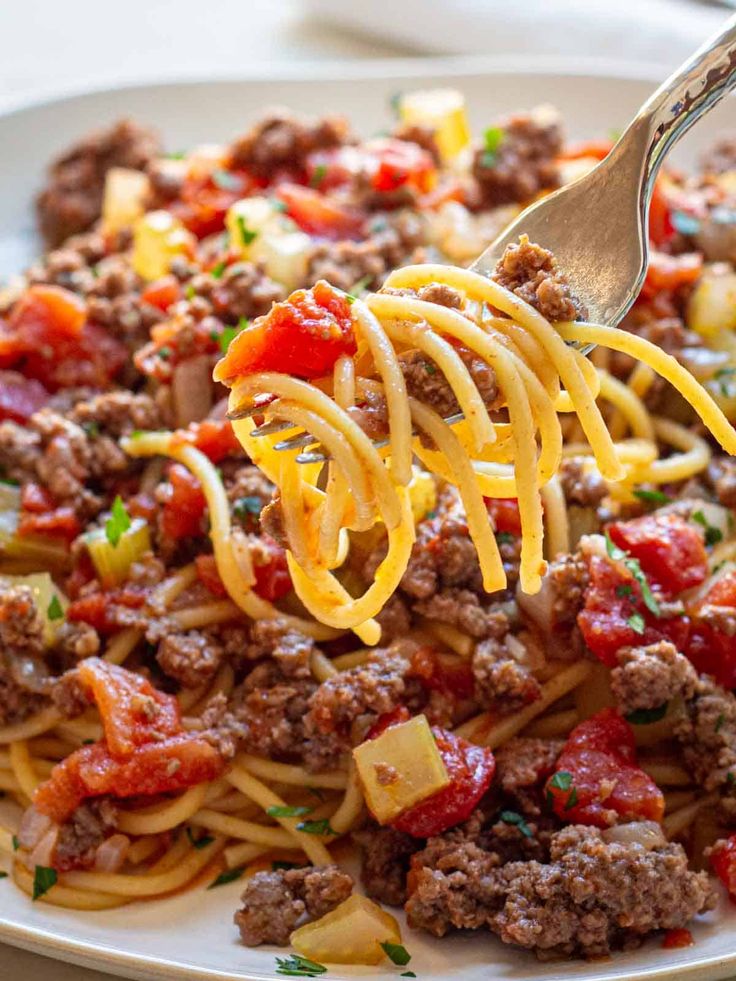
(632, 564)
(190, 292)
(199, 843)
(321, 827)
(636, 622)
(492, 140)
(623, 590)
(407, 974)
(226, 337)
(55, 610)
(318, 175)
(504, 537)
(572, 799)
(276, 866)
(511, 817)
(91, 428)
(247, 505)
(645, 717)
(396, 953)
(730, 777)
(562, 780)
(296, 966)
(652, 496)
(43, 879)
(247, 235)
(229, 875)
(284, 811)
(361, 285)
(713, 535)
(16, 843)
(3, 875)
(226, 181)
(118, 522)
(719, 722)
(164, 353)
(217, 271)
(430, 368)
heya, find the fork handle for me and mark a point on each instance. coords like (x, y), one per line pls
(681, 100)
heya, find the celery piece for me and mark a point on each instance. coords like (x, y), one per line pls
(113, 562)
(47, 598)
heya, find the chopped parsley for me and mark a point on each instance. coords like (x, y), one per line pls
(492, 140)
(296, 966)
(572, 799)
(247, 505)
(118, 522)
(652, 496)
(226, 337)
(730, 777)
(43, 879)
(16, 843)
(91, 428)
(562, 780)
(276, 866)
(645, 717)
(407, 974)
(321, 827)
(176, 155)
(229, 875)
(217, 271)
(225, 180)
(190, 292)
(164, 353)
(395, 103)
(55, 610)
(719, 722)
(243, 323)
(713, 535)
(636, 622)
(504, 537)
(632, 564)
(285, 811)
(396, 953)
(247, 235)
(430, 368)
(511, 817)
(3, 875)
(318, 175)
(199, 843)
(316, 792)
(623, 590)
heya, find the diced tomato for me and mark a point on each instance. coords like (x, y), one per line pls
(470, 769)
(723, 860)
(392, 164)
(613, 601)
(205, 198)
(447, 673)
(98, 609)
(141, 505)
(681, 937)
(162, 293)
(671, 551)
(597, 773)
(393, 718)
(132, 711)
(670, 272)
(158, 358)
(20, 397)
(713, 651)
(271, 571)
(42, 316)
(334, 167)
(61, 523)
(661, 228)
(36, 499)
(163, 767)
(505, 514)
(597, 149)
(214, 437)
(317, 214)
(304, 336)
(208, 574)
(183, 511)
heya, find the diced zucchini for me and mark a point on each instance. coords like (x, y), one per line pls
(261, 232)
(712, 307)
(444, 111)
(157, 238)
(44, 590)
(123, 199)
(399, 768)
(351, 934)
(112, 562)
(422, 493)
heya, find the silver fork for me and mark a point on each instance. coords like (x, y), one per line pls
(596, 226)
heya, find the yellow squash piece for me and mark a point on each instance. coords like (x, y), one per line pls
(50, 601)
(157, 238)
(422, 493)
(124, 198)
(399, 768)
(261, 232)
(112, 562)
(351, 934)
(444, 111)
(712, 307)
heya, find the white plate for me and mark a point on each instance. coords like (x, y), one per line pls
(192, 936)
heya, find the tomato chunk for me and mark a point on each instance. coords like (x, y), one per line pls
(20, 397)
(670, 272)
(505, 514)
(205, 197)
(162, 293)
(317, 215)
(61, 523)
(470, 769)
(392, 164)
(596, 149)
(133, 712)
(679, 937)
(661, 228)
(713, 650)
(670, 550)
(208, 574)
(214, 437)
(303, 336)
(393, 718)
(597, 777)
(271, 571)
(446, 673)
(723, 860)
(183, 511)
(98, 609)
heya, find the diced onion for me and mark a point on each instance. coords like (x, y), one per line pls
(111, 854)
(648, 834)
(33, 826)
(43, 853)
(191, 389)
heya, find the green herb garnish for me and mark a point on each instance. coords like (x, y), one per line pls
(217, 271)
(318, 175)
(199, 843)
(226, 337)
(719, 722)
(225, 180)
(624, 590)
(285, 811)
(118, 522)
(247, 235)
(652, 496)
(636, 622)
(321, 827)
(91, 428)
(43, 879)
(645, 717)
(713, 535)
(55, 610)
(632, 564)
(229, 875)
(492, 140)
(164, 353)
(504, 537)
(296, 966)
(430, 368)
(572, 799)
(16, 843)
(396, 953)
(407, 974)
(511, 817)
(247, 505)
(562, 780)
(190, 292)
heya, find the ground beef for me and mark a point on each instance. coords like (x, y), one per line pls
(377, 686)
(117, 413)
(114, 302)
(246, 481)
(22, 668)
(72, 199)
(290, 649)
(243, 292)
(272, 522)
(592, 896)
(385, 855)
(442, 294)
(580, 485)
(524, 162)
(191, 658)
(561, 599)
(77, 640)
(522, 765)
(531, 273)
(68, 695)
(390, 241)
(426, 383)
(720, 157)
(423, 136)
(281, 141)
(722, 476)
(81, 835)
(394, 619)
(647, 677)
(459, 608)
(274, 903)
(503, 675)
(708, 735)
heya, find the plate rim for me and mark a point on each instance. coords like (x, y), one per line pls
(111, 959)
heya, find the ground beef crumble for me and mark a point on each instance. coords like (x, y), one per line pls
(647, 677)
(385, 855)
(81, 835)
(522, 765)
(708, 735)
(531, 273)
(22, 666)
(282, 141)
(274, 903)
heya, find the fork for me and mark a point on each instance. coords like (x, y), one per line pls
(596, 225)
